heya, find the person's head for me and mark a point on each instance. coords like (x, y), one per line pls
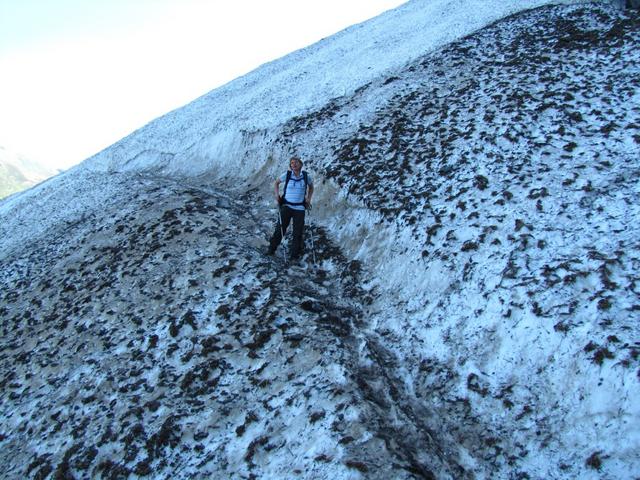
(295, 164)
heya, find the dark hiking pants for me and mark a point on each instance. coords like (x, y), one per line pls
(287, 215)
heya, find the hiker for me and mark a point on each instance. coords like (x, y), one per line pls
(295, 199)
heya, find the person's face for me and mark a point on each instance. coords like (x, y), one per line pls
(295, 164)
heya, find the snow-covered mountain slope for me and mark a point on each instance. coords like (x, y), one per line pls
(155, 341)
(211, 133)
(473, 314)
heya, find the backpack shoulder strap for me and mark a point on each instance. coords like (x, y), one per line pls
(286, 182)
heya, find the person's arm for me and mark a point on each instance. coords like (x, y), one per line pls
(277, 190)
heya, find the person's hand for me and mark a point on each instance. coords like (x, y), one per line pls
(307, 204)
(280, 201)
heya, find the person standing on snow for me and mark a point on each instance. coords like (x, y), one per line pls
(295, 199)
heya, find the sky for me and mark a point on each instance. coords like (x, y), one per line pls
(78, 75)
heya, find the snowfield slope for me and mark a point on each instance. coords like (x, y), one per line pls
(150, 339)
(473, 312)
(210, 134)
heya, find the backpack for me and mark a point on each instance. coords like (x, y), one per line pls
(286, 182)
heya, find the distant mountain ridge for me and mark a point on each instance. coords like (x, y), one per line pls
(17, 172)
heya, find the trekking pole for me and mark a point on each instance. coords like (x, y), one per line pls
(282, 242)
(313, 247)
